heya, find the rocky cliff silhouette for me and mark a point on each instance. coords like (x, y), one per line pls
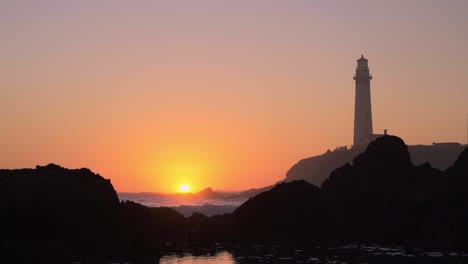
(316, 169)
(381, 197)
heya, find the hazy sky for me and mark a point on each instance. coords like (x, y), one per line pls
(227, 94)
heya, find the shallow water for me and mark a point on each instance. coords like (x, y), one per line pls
(327, 254)
(223, 257)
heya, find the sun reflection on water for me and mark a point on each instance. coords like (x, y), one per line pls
(220, 258)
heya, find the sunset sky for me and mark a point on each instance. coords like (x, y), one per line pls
(227, 94)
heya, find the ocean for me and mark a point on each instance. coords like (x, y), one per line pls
(185, 205)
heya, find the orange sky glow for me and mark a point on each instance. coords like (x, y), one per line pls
(230, 95)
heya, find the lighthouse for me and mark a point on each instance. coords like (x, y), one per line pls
(363, 133)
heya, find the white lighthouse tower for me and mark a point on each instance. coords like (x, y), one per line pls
(363, 133)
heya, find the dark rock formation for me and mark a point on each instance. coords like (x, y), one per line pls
(372, 198)
(460, 167)
(287, 209)
(382, 169)
(208, 193)
(51, 212)
(169, 223)
(381, 197)
(206, 209)
(316, 169)
(254, 191)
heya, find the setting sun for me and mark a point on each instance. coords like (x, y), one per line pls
(184, 188)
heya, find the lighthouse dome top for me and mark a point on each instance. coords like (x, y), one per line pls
(362, 58)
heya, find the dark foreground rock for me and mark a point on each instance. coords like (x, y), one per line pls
(52, 214)
(289, 209)
(381, 197)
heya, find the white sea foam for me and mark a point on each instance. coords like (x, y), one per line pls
(185, 205)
